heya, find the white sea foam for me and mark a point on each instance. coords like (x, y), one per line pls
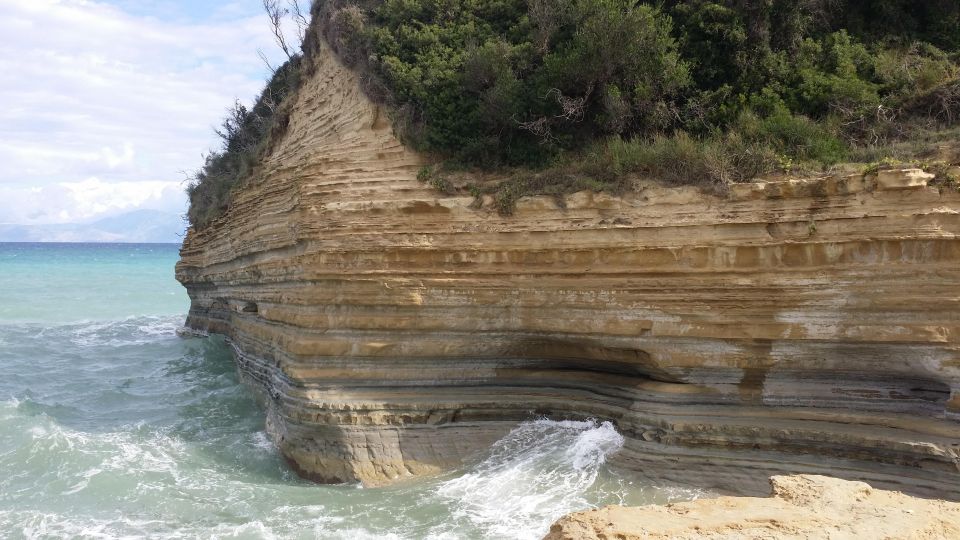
(537, 473)
(130, 331)
(262, 441)
(8, 408)
(36, 525)
(161, 326)
(76, 457)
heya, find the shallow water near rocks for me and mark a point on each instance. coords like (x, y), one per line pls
(111, 426)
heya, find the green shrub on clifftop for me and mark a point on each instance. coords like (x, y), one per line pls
(244, 136)
(517, 82)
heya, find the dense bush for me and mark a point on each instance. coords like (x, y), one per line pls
(508, 82)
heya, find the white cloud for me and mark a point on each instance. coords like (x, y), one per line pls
(86, 200)
(102, 110)
(95, 197)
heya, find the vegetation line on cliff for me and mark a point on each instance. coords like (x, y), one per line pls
(582, 92)
(520, 82)
(246, 133)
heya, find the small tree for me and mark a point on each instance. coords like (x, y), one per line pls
(276, 14)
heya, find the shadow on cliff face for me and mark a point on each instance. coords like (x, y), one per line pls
(589, 357)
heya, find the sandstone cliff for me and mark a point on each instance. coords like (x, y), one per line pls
(805, 326)
(802, 507)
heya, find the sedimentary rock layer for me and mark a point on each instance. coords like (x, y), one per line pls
(802, 508)
(788, 326)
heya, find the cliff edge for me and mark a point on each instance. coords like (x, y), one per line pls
(793, 326)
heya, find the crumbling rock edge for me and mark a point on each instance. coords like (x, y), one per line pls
(803, 507)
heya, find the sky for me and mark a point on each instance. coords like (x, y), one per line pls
(106, 106)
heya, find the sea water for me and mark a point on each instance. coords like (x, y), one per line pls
(112, 426)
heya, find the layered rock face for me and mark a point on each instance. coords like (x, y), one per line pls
(802, 508)
(792, 326)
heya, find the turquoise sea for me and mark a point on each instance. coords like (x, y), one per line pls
(112, 426)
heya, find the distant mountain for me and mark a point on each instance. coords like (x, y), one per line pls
(136, 226)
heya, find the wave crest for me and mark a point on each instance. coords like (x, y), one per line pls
(540, 471)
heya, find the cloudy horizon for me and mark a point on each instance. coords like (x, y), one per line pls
(109, 104)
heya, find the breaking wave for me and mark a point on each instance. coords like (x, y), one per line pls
(540, 471)
(130, 331)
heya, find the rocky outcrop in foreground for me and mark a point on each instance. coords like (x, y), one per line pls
(801, 508)
(793, 326)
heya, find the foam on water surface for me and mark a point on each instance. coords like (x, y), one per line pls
(538, 472)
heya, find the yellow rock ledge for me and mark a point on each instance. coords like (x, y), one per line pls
(801, 508)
